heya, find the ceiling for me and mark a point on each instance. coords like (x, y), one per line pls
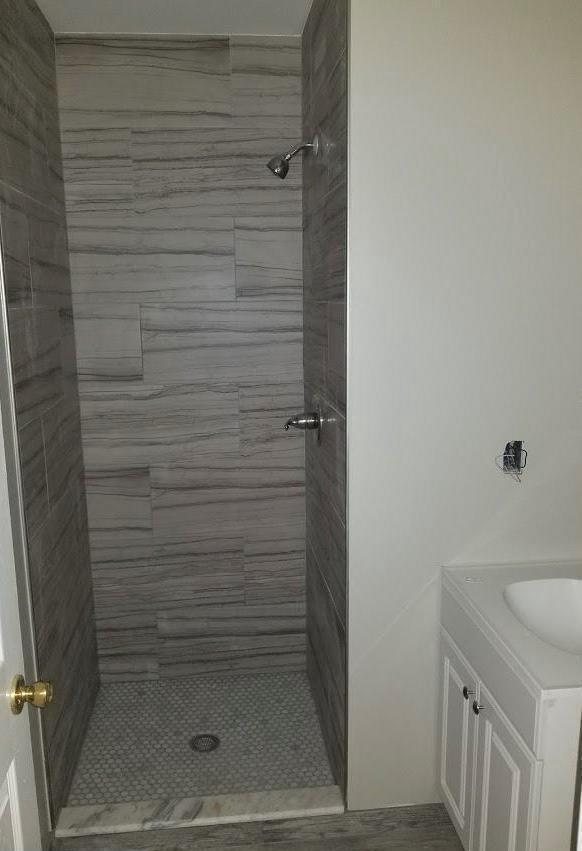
(201, 17)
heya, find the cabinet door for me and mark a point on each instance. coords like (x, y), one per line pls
(506, 784)
(459, 689)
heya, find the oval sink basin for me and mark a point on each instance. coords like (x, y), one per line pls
(551, 609)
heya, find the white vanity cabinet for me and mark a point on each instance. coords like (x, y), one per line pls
(509, 740)
(489, 778)
(506, 782)
(458, 728)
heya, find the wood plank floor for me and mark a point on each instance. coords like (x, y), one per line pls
(425, 828)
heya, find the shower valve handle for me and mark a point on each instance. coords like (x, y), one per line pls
(304, 421)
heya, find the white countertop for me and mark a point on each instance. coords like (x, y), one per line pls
(482, 590)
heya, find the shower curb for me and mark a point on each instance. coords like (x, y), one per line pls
(164, 813)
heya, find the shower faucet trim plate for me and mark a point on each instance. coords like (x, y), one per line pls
(306, 421)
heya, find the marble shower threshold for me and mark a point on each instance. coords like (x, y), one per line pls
(97, 819)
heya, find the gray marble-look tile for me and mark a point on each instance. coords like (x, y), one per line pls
(324, 46)
(329, 113)
(204, 639)
(34, 246)
(209, 571)
(264, 409)
(36, 360)
(140, 585)
(324, 354)
(35, 250)
(49, 258)
(76, 663)
(119, 500)
(61, 428)
(28, 104)
(218, 492)
(201, 494)
(214, 172)
(159, 256)
(27, 48)
(326, 459)
(326, 31)
(96, 159)
(272, 491)
(326, 665)
(325, 180)
(326, 108)
(15, 252)
(143, 424)
(324, 241)
(127, 643)
(61, 591)
(45, 558)
(61, 598)
(268, 256)
(101, 199)
(315, 346)
(70, 383)
(266, 79)
(108, 342)
(168, 78)
(33, 470)
(222, 342)
(221, 492)
(181, 550)
(335, 390)
(326, 535)
(153, 187)
(274, 565)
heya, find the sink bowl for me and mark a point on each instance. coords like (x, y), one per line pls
(551, 609)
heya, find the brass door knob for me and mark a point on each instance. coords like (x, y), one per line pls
(39, 694)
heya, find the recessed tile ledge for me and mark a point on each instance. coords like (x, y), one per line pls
(192, 812)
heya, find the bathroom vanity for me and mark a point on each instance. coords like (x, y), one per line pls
(511, 705)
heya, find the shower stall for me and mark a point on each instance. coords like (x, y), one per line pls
(176, 322)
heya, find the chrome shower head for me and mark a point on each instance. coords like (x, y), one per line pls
(279, 165)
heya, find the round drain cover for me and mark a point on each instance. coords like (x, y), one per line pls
(204, 743)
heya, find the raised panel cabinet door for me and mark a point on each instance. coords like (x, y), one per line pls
(459, 689)
(506, 784)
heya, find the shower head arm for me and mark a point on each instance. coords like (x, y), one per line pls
(302, 146)
(279, 164)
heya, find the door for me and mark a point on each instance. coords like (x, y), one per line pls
(19, 815)
(459, 688)
(506, 784)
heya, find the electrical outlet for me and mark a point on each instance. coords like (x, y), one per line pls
(514, 457)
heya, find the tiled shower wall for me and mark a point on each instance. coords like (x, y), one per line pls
(38, 295)
(187, 284)
(325, 217)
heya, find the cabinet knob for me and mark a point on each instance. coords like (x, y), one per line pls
(467, 692)
(476, 708)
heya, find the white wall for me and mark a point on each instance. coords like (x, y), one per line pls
(465, 280)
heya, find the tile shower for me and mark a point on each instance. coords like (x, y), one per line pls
(207, 300)
(38, 307)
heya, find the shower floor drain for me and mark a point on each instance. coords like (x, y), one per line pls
(204, 743)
